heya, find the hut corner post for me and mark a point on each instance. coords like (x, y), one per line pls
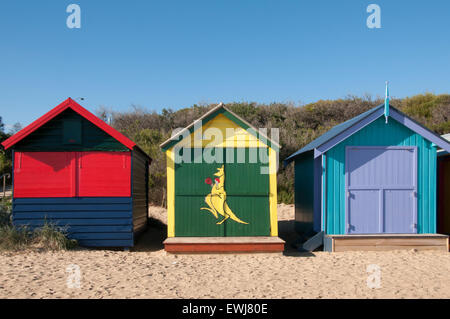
(273, 200)
(170, 192)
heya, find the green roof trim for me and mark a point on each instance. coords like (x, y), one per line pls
(220, 109)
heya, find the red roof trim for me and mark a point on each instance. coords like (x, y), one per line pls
(69, 103)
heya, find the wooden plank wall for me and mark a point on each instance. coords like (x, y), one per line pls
(379, 243)
(92, 221)
(140, 191)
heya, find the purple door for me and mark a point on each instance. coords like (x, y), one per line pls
(381, 188)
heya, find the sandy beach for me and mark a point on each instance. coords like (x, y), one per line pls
(148, 272)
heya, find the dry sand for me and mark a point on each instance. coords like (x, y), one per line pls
(147, 272)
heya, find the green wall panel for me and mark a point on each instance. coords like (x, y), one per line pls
(253, 210)
(190, 177)
(246, 178)
(378, 133)
(190, 221)
(247, 195)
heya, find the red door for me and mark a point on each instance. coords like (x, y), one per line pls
(43, 174)
(104, 174)
(72, 174)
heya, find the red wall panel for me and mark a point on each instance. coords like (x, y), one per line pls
(43, 174)
(72, 174)
(105, 174)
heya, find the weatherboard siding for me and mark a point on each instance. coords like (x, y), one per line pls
(140, 191)
(304, 193)
(92, 221)
(378, 133)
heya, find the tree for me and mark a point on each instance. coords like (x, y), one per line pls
(5, 157)
(2, 126)
(16, 128)
(3, 135)
(298, 124)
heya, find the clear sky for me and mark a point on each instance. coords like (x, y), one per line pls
(172, 54)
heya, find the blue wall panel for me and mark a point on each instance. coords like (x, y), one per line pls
(304, 194)
(308, 183)
(93, 221)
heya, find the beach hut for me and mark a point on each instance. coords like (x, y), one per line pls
(71, 169)
(369, 183)
(444, 189)
(221, 187)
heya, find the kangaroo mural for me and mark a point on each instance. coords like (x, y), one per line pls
(217, 199)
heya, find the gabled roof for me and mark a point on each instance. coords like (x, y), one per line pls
(211, 114)
(332, 133)
(68, 104)
(342, 131)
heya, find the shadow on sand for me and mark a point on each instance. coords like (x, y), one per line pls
(286, 231)
(152, 239)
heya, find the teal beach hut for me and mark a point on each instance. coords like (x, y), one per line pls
(369, 183)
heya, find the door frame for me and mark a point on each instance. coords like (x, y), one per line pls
(381, 193)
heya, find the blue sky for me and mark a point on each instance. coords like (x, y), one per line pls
(172, 54)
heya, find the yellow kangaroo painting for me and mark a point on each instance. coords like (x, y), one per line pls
(217, 199)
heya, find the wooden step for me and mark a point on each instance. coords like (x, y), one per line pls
(223, 244)
(378, 242)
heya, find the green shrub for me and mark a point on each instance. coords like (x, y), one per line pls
(47, 237)
(52, 237)
(298, 124)
(5, 213)
(13, 238)
(285, 197)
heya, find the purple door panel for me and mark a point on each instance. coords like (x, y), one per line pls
(365, 219)
(381, 188)
(398, 208)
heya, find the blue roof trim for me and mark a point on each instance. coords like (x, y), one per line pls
(344, 130)
(348, 132)
(336, 130)
(420, 129)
